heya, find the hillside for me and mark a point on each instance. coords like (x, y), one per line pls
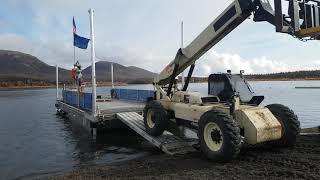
(17, 66)
(20, 69)
(130, 74)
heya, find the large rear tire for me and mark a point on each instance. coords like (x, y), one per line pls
(155, 118)
(219, 136)
(290, 125)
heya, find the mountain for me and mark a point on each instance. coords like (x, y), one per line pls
(25, 68)
(16, 66)
(130, 74)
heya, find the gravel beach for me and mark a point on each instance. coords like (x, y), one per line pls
(301, 162)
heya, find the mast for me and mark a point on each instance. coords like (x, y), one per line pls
(93, 64)
(57, 82)
(112, 83)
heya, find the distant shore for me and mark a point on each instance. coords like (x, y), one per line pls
(108, 84)
(99, 84)
(26, 87)
(286, 79)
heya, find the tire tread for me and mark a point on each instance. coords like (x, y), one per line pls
(231, 131)
(161, 120)
(289, 122)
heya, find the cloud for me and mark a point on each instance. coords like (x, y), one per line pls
(147, 34)
(51, 52)
(211, 62)
(144, 33)
(133, 57)
(15, 42)
(54, 52)
(316, 63)
(219, 62)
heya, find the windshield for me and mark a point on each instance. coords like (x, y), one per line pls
(241, 86)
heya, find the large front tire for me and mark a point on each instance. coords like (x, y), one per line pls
(219, 136)
(155, 118)
(290, 125)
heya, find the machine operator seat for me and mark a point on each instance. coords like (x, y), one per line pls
(226, 85)
(220, 86)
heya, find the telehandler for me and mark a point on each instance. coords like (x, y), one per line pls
(230, 115)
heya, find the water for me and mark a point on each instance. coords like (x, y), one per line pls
(33, 140)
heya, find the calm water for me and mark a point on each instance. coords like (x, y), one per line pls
(33, 140)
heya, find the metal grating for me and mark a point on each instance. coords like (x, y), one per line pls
(167, 142)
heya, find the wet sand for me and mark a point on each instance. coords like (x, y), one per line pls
(301, 162)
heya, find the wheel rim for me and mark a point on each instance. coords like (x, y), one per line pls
(150, 119)
(213, 136)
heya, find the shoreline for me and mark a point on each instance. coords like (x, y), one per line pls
(285, 79)
(125, 84)
(51, 86)
(254, 162)
(26, 87)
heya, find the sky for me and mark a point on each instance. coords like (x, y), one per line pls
(146, 33)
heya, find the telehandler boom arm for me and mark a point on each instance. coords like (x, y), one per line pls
(236, 13)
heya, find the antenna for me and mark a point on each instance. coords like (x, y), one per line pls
(182, 74)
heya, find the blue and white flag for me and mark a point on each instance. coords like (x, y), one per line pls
(78, 41)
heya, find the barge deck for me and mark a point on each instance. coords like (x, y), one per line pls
(105, 118)
(116, 113)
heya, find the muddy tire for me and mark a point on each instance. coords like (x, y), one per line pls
(289, 123)
(155, 118)
(219, 136)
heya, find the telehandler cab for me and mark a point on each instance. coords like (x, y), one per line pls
(230, 114)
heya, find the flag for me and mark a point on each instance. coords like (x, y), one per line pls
(74, 27)
(78, 41)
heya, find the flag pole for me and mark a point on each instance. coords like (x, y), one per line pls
(74, 59)
(112, 83)
(93, 65)
(57, 82)
(74, 47)
(74, 54)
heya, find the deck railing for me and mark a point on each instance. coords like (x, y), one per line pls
(83, 100)
(132, 94)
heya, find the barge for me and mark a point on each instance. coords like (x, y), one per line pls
(123, 109)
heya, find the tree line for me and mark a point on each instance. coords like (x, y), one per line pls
(315, 74)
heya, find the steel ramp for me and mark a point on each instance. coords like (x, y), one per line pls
(167, 142)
